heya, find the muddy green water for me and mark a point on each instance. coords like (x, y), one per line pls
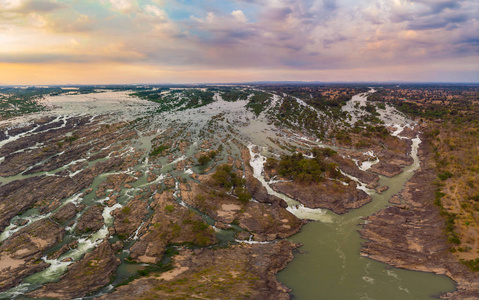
(330, 266)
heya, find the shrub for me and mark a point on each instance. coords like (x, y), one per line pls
(158, 150)
(204, 159)
(445, 175)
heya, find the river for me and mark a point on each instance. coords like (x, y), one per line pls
(329, 267)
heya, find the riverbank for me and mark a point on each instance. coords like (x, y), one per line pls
(411, 235)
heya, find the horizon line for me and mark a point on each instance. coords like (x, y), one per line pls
(244, 83)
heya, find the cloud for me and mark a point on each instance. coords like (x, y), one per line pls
(240, 34)
(11, 4)
(239, 15)
(155, 11)
(437, 6)
(30, 6)
(124, 6)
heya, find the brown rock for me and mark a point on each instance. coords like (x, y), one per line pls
(245, 271)
(91, 219)
(395, 200)
(129, 218)
(171, 223)
(328, 194)
(91, 273)
(20, 253)
(222, 225)
(382, 189)
(243, 235)
(65, 213)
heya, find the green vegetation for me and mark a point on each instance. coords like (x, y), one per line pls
(151, 95)
(450, 115)
(473, 264)
(258, 102)
(158, 150)
(457, 103)
(291, 114)
(71, 139)
(306, 170)
(206, 158)
(233, 94)
(19, 101)
(176, 100)
(226, 178)
(445, 175)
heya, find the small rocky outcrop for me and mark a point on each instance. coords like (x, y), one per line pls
(348, 166)
(20, 254)
(91, 273)
(91, 220)
(128, 218)
(328, 194)
(65, 213)
(171, 223)
(386, 169)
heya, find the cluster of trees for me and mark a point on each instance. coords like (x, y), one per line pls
(205, 158)
(226, 178)
(198, 98)
(158, 150)
(299, 117)
(368, 130)
(16, 102)
(258, 102)
(306, 170)
(176, 99)
(232, 95)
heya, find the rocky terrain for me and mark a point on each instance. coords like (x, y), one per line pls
(239, 272)
(411, 235)
(197, 194)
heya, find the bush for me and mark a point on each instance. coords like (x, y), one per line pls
(203, 160)
(445, 175)
(226, 178)
(306, 170)
(212, 154)
(158, 150)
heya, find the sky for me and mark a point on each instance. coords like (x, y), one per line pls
(213, 41)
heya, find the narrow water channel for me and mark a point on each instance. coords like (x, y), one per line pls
(330, 267)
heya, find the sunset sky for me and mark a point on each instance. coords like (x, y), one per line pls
(186, 41)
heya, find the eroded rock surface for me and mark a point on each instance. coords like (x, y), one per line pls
(328, 194)
(170, 224)
(411, 235)
(241, 271)
(91, 219)
(91, 273)
(128, 218)
(265, 222)
(20, 254)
